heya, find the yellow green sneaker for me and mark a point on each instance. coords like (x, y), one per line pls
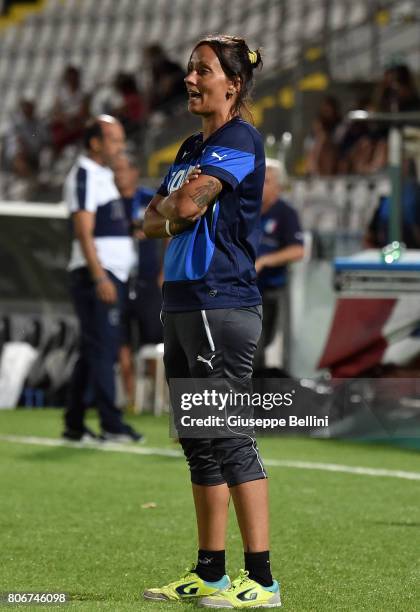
(189, 586)
(244, 593)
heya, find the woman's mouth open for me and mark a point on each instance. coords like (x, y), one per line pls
(194, 95)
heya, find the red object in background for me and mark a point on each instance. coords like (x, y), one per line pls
(356, 341)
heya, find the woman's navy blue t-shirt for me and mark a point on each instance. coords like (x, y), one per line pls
(212, 265)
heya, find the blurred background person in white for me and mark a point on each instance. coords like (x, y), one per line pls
(101, 259)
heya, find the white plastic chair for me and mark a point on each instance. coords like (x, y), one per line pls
(153, 353)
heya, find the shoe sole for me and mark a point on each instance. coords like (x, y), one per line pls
(89, 440)
(270, 605)
(158, 597)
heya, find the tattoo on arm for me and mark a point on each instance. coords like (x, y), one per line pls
(204, 194)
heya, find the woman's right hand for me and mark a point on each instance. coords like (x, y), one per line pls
(192, 174)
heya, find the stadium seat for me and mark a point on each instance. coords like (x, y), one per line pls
(314, 22)
(63, 34)
(271, 59)
(338, 15)
(119, 33)
(157, 389)
(87, 9)
(157, 31)
(133, 59)
(27, 37)
(45, 34)
(135, 35)
(92, 70)
(358, 12)
(69, 8)
(82, 34)
(9, 40)
(234, 12)
(253, 28)
(175, 31)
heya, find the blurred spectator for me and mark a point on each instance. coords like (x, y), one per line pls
(340, 147)
(321, 148)
(356, 144)
(70, 111)
(25, 140)
(330, 113)
(349, 138)
(378, 232)
(130, 108)
(281, 244)
(141, 321)
(397, 91)
(369, 155)
(166, 80)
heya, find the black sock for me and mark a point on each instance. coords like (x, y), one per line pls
(211, 565)
(258, 566)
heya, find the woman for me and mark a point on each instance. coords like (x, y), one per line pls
(212, 313)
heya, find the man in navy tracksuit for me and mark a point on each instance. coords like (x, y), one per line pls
(281, 244)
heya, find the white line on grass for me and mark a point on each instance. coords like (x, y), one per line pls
(349, 469)
(167, 452)
(101, 446)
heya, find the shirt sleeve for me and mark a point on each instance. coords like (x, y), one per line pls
(163, 189)
(79, 192)
(231, 156)
(290, 229)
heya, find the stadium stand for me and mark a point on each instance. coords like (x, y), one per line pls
(355, 41)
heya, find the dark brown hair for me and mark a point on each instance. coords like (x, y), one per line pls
(237, 62)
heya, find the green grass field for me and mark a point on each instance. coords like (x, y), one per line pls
(71, 520)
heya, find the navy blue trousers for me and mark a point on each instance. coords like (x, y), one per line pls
(100, 339)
